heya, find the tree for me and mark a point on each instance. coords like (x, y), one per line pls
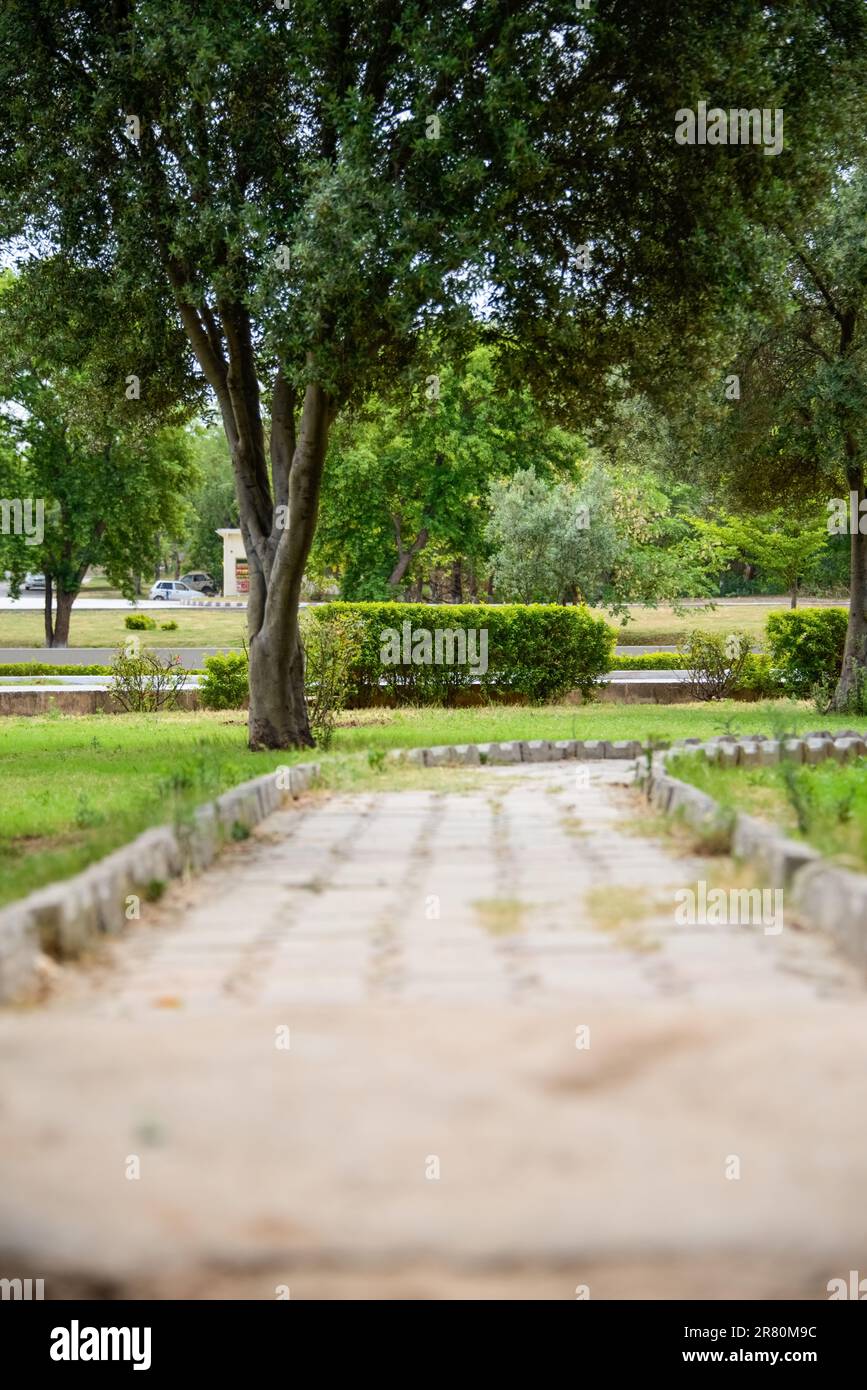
(108, 480)
(101, 504)
(785, 548)
(310, 189)
(213, 505)
(408, 478)
(550, 543)
(795, 434)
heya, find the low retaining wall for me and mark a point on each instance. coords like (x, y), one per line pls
(825, 897)
(66, 918)
(71, 701)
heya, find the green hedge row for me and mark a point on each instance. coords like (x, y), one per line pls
(649, 661)
(425, 654)
(42, 668)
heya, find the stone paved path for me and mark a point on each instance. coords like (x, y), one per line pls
(432, 1130)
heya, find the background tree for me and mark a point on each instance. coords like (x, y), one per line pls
(103, 505)
(111, 478)
(786, 549)
(796, 434)
(313, 187)
(551, 543)
(213, 505)
(407, 477)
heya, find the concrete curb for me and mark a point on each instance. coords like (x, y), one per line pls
(825, 897)
(64, 919)
(538, 750)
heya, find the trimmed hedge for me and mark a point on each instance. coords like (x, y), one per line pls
(42, 668)
(806, 646)
(534, 651)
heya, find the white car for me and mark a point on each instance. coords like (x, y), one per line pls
(34, 581)
(171, 588)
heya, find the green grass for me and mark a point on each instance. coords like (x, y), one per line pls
(226, 627)
(77, 786)
(664, 627)
(209, 627)
(825, 805)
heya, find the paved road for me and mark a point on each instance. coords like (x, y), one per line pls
(432, 958)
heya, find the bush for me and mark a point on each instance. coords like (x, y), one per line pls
(44, 668)
(139, 622)
(806, 647)
(226, 683)
(534, 652)
(716, 663)
(169, 627)
(333, 644)
(143, 683)
(759, 678)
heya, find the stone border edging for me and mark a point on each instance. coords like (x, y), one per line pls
(536, 750)
(65, 918)
(827, 898)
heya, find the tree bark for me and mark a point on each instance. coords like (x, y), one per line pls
(855, 650)
(61, 620)
(406, 557)
(49, 615)
(278, 710)
(793, 596)
(457, 582)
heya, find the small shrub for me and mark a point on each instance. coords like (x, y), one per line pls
(806, 647)
(142, 683)
(758, 677)
(715, 663)
(333, 645)
(226, 684)
(169, 627)
(824, 691)
(139, 622)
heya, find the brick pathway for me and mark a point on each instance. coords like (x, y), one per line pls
(431, 959)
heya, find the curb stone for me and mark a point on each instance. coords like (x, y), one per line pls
(65, 919)
(826, 898)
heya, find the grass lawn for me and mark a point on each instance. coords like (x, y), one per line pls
(825, 805)
(227, 627)
(664, 627)
(77, 786)
(211, 627)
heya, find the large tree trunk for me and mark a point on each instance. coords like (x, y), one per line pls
(277, 514)
(855, 651)
(61, 619)
(278, 709)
